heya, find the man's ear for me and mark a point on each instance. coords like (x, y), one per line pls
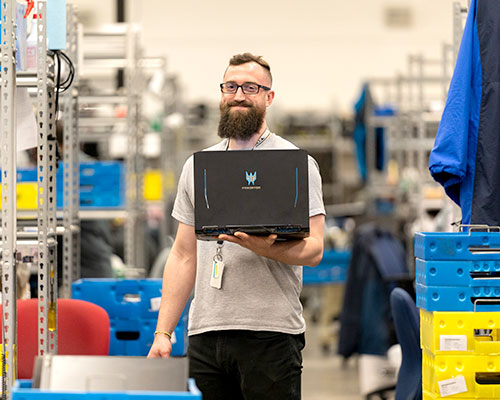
(269, 97)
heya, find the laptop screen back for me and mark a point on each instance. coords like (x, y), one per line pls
(258, 192)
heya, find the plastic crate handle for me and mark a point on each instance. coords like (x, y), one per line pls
(491, 300)
(477, 227)
(127, 335)
(132, 297)
(487, 378)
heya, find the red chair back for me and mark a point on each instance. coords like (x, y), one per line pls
(82, 329)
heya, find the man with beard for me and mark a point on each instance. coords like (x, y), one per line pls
(245, 337)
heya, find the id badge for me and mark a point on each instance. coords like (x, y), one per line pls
(217, 271)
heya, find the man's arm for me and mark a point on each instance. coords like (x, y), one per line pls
(178, 281)
(308, 251)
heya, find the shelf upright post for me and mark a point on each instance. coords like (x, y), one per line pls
(167, 161)
(131, 176)
(46, 175)
(71, 178)
(9, 228)
(411, 109)
(134, 235)
(421, 159)
(457, 28)
(399, 121)
(447, 51)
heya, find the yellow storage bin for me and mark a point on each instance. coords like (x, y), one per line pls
(460, 332)
(464, 377)
(435, 396)
(26, 194)
(153, 184)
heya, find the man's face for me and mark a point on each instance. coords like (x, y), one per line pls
(242, 115)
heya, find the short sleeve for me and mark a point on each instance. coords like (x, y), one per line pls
(316, 205)
(183, 210)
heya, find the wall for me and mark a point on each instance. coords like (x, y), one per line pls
(319, 50)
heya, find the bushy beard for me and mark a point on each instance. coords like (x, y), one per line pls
(239, 124)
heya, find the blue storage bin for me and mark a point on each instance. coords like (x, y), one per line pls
(132, 319)
(93, 172)
(22, 390)
(26, 175)
(457, 273)
(458, 298)
(101, 173)
(135, 337)
(453, 246)
(97, 199)
(121, 298)
(102, 183)
(331, 269)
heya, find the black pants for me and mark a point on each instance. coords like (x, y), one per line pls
(233, 365)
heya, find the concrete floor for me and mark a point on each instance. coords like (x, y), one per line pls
(326, 376)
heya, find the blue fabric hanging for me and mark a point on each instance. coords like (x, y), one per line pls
(465, 155)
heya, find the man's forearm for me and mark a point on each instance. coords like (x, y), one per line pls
(178, 281)
(308, 251)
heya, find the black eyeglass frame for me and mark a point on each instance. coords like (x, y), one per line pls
(242, 89)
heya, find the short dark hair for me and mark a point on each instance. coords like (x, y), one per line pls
(243, 58)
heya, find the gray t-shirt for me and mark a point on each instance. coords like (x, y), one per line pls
(257, 293)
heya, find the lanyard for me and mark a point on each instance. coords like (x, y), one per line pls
(261, 140)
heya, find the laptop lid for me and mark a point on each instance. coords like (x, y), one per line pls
(258, 192)
(111, 373)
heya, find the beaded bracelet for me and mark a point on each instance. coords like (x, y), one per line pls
(165, 333)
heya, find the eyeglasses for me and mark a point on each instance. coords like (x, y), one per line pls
(247, 87)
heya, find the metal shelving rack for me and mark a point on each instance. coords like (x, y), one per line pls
(71, 177)
(411, 132)
(168, 97)
(126, 56)
(413, 129)
(39, 246)
(318, 133)
(135, 166)
(46, 167)
(9, 225)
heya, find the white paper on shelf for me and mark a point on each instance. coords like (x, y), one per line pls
(26, 121)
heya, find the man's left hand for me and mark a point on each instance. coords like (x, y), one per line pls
(258, 244)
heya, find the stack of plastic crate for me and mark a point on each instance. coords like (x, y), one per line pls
(331, 269)
(102, 184)
(132, 306)
(458, 293)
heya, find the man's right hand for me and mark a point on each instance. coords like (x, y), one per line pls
(161, 348)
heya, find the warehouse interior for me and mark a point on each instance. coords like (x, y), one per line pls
(104, 103)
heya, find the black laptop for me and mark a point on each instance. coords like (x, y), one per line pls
(258, 192)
